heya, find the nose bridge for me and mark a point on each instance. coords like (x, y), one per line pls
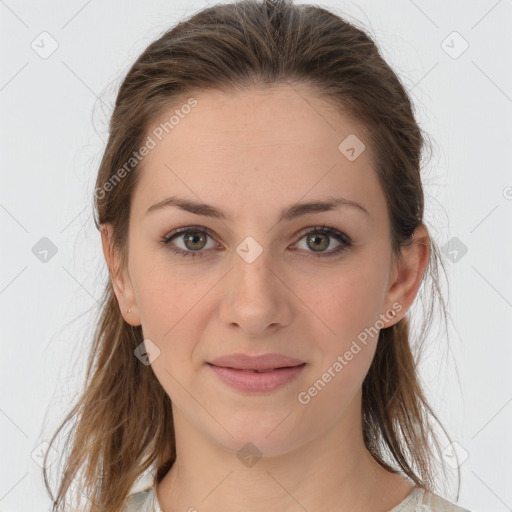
(253, 271)
(254, 298)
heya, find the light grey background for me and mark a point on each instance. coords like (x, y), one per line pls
(54, 115)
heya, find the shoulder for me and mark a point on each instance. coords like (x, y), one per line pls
(419, 500)
(436, 503)
(422, 500)
(142, 496)
(140, 502)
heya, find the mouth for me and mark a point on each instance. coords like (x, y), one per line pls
(266, 370)
(261, 362)
(257, 380)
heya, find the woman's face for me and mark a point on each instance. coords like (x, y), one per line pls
(253, 282)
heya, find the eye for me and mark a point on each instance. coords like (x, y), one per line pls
(318, 239)
(193, 242)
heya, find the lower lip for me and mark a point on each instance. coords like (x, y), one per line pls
(244, 380)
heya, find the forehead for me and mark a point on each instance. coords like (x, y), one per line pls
(285, 115)
(261, 143)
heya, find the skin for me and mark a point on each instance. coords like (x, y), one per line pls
(252, 154)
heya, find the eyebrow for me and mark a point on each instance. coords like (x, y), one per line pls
(289, 213)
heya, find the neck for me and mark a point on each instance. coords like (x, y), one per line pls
(332, 472)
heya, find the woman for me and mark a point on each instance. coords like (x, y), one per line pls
(261, 215)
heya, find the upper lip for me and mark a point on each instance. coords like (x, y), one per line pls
(261, 362)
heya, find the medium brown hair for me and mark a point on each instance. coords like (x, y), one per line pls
(124, 422)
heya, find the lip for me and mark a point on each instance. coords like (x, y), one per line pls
(238, 371)
(259, 362)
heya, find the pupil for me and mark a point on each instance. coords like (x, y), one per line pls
(314, 239)
(193, 238)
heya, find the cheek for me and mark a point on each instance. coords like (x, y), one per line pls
(350, 310)
(167, 303)
(162, 293)
(349, 301)
(350, 307)
(169, 306)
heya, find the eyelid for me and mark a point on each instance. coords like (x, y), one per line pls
(332, 232)
(185, 229)
(342, 238)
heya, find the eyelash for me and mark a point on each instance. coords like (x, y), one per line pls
(344, 240)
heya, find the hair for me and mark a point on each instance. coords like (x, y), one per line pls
(124, 421)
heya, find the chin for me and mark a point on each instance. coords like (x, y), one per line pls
(258, 436)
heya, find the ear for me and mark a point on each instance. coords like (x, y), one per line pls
(408, 271)
(121, 282)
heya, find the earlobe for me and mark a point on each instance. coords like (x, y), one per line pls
(408, 273)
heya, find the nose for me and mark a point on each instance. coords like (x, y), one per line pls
(255, 297)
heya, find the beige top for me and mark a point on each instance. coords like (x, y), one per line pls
(418, 500)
